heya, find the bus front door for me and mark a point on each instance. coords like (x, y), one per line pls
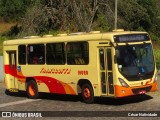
(106, 74)
(12, 71)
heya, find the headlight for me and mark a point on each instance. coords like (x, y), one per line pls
(123, 83)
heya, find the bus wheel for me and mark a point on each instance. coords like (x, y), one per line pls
(32, 90)
(87, 94)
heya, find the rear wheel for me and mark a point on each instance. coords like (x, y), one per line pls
(32, 90)
(87, 93)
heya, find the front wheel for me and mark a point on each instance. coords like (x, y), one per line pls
(87, 93)
(32, 89)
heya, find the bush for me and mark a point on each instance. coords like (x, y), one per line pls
(154, 37)
(2, 38)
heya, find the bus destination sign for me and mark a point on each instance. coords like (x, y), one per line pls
(131, 38)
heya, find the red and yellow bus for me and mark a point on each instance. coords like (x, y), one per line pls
(113, 64)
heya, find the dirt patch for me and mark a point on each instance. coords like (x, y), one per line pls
(4, 27)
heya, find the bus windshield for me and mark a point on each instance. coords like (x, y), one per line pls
(135, 62)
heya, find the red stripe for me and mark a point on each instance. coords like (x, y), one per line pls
(54, 85)
(10, 70)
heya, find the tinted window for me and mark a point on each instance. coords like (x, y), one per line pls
(109, 59)
(55, 53)
(22, 54)
(101, 56)
(136, 62)
(77, 53)
(36, 54)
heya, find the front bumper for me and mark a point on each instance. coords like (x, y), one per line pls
(121, 91)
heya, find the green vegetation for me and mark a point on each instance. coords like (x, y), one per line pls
(13, 9)
(156, 46)
(36, 17)
(157, 57)
(2, 38)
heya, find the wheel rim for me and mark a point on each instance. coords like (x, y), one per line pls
(87, 93)
(31, 90)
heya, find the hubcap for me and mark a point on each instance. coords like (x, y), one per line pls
(86, 93)
(32, 90)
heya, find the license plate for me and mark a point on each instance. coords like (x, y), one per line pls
(142, 92)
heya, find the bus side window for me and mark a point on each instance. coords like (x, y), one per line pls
(36, 54)
(22, 54)
(55, 54)
(77, 53)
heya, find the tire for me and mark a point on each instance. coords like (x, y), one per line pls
(32, 90)
(87, 93)
(7, 92)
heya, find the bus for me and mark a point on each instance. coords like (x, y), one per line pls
(94, 64)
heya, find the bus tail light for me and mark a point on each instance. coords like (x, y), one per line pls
(123, 83)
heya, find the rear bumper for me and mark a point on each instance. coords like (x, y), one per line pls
(123, 91)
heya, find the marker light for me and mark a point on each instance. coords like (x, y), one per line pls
(123, 83)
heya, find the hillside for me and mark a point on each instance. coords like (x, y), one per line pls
(41, 16)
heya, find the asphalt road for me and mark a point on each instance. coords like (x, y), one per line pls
(70, 107)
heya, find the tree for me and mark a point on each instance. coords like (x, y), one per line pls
(134, 15)
(83, 13)
(66, 15)
(33, 22)
(86, 15)
(13, 9)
